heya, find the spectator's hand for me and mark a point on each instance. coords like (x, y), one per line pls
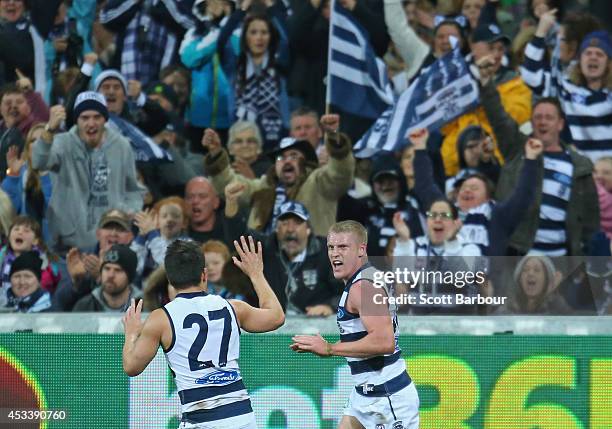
(251, 260)
(245, 4)
(533, 148)
(90, 58)
(424, 18)
(488, 148)
(330, 123)
(233, 191)
(320, 310)
(23, 82)
(57, 115)
(485, 69)
(547, 20)
(134, 89)
(419, 138)
(92, 264)
(60, 44)
(348, 4)
(315, 3)
(243, 168)
(211, 141)
(403, 232)
(76, 267)
(13, 161)
(146, 222)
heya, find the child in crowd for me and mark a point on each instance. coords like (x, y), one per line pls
(25, 235)
(217, 255)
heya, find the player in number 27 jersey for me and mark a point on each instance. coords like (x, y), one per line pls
(200, 335)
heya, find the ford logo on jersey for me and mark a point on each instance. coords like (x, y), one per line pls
(219, 377)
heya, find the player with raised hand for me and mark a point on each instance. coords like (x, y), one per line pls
(384, 394)
(200, 335)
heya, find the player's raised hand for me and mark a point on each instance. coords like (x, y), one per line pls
(250, 259)
(132, 321)
(418, 138)
(314, 344)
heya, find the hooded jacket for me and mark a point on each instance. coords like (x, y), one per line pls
(74, 210)
(516, 99)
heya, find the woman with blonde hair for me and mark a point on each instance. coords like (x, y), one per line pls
(29, 189)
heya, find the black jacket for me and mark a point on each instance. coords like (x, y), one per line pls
(298, 285)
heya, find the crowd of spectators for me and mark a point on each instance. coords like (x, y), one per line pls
(127, 124)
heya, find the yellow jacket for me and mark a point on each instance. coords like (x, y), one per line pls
(516, 98)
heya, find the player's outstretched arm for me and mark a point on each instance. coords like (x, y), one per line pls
(141, 340)
(364, 299)
(269, 316)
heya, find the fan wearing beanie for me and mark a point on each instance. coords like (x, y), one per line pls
(25, 294)
(102, 160)
(115, 290)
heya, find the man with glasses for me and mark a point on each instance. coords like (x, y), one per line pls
(295, 177)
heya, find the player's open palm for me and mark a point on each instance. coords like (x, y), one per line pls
(132, 321)
(249, 259)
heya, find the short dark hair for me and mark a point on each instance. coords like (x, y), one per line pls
(184, 263)
(305, 111)
(10, 88)
(550, 100)
(453, 207)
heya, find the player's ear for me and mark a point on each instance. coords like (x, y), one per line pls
(204, 276)
(362, 250)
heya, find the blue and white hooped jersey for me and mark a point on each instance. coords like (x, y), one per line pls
(375, 369)
(204, 352)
